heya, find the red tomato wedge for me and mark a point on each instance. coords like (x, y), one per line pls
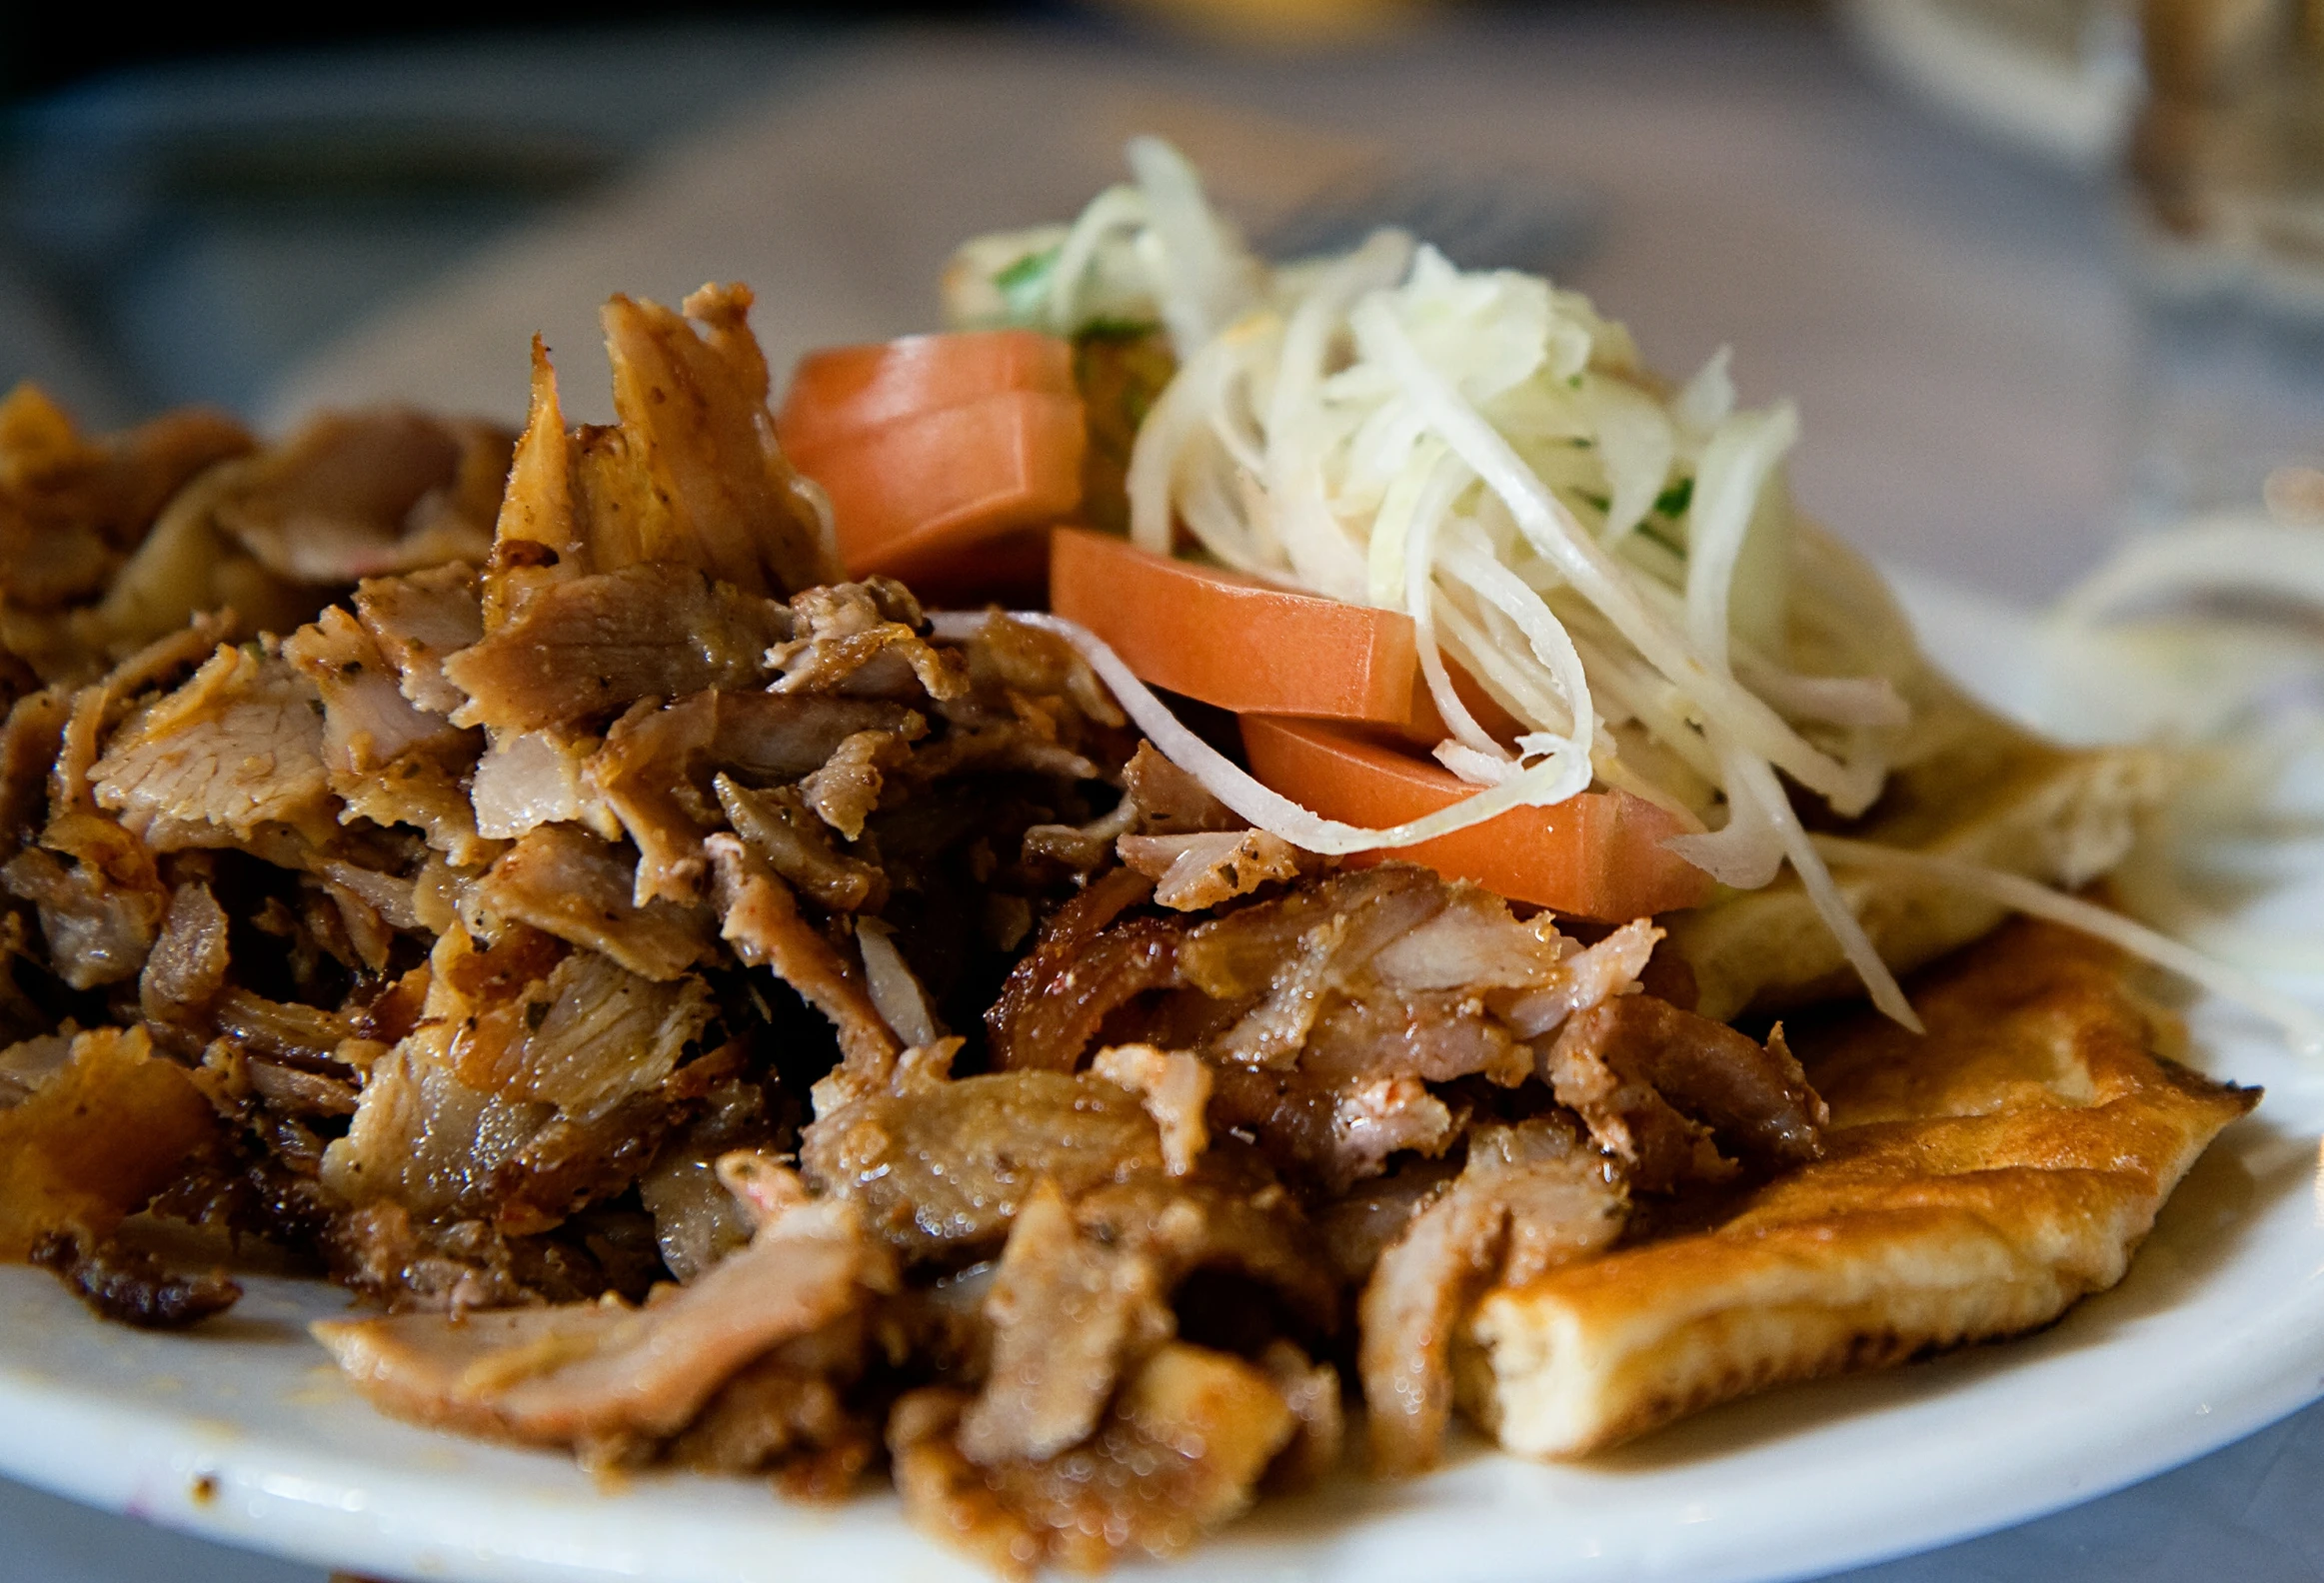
(1597, 855)
(932, 445)
(917, 496)
(1247, 646)
(843, 392)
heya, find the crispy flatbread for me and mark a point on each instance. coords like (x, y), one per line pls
(1977, 789)
(1976, 1182)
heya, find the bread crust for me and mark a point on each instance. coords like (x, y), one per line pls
(1975, 1185)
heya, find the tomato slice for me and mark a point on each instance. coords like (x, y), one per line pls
(941, 453)
(1598, 855)
(1247, 646)
(916, 498)
(843, 392)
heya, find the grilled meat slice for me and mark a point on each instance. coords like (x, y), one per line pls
(585, 1374)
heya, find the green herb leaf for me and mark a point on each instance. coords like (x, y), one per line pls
(1024, 283)
(1647, 529)
(1673, 501)
(1114, 330)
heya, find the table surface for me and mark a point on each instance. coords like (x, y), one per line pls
(1950, 322)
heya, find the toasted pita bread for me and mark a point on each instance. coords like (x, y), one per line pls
(1975, 1183)
(1977, 789)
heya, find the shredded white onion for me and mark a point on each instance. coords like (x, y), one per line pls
(2221, 554)
(1230, 783)
(1478, 451)
(1206, 279)
(1550, 526)
(895, 988)
(2303, 1025)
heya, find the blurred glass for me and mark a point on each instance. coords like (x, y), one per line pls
(2227, 220)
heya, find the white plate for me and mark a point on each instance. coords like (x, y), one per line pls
(244, 1433)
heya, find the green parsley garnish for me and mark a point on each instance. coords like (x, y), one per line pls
(1649, 529)
(1024, 283)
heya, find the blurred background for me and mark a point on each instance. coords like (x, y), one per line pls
(2051, 266)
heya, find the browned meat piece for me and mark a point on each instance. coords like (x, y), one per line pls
(565, 881)
(1327, 1013)
(592, 1157)
(370, 493)
(1013, 667)
(769, 737)
(845, 789)
(97, 707)
(28, 749)
(433, 1132)
(1311, 1391)
(942, 1172)
(1432, 1035)
(538, 777)
(1068, 1313)
(1056, 997)
(942, 1169)
(71, 508)
(368, 723)
(658, 765)
(1588, 976)
(419, 619)
(697, 1221)
(690, 476)
(586, 1038)
(1358, 1226)
(1232, 1216)
(280, 1028)
(539, 538)
(454, 1266)
(1335, 1134)
(96, 1140)
(780, 832)
(865, 640)
(1118, 967)
(589, 648)
(29, 1064)
(785, 1413)
(186, 971)
(1084, 849)
(759, 917)
(422, 1139)
(698, 437)
(1294, 953)
(240, 745)
(296, 1092)
(130, 1285)
(590, 1373)
(97, 895)
(1655, 1084)
(1165, 801)
(1195, 872)
(1472, 945)
(1532, 1197)
(388, 760)
(1181, 1452)
(1176, 1090)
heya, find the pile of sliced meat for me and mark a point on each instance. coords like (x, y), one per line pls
(728, 1027)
